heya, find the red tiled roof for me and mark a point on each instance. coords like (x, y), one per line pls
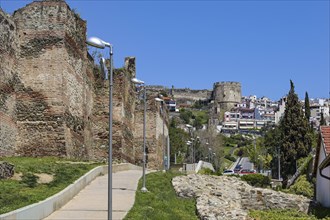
(325, 130)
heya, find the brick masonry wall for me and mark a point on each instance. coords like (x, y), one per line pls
(8, 80)
(154, 132)
(52, 101)
(123, 114)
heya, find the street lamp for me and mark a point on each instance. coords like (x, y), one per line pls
(189, 128)
(163, 114)
(189, 143)
(279, 163)
(139, 82)
(98, 43)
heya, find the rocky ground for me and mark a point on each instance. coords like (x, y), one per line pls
(225, 197)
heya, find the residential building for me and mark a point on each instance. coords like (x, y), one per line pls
(322, 168)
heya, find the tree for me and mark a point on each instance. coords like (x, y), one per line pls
(185, 115)
(198, 122)
(307, 107)
(322, 120)
(295, 141)
(178, 139)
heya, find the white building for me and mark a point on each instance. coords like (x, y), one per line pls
(281, 110)
(322, 163)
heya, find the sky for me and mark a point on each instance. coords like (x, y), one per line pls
(193, 44)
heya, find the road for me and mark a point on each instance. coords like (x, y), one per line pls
(246, 164)
(244, 161)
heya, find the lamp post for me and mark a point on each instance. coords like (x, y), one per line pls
(98, 43)
(139, 82)
(207, 144)
(163, 114)
(189, 143)
(190, 133)
(279, 163)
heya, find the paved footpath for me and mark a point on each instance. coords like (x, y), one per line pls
(91, 202)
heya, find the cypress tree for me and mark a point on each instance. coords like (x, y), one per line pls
(307, 107)
(295, 139)
(322, 120)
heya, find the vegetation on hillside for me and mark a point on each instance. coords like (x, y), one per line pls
(17, 193)
(292, 138)
(178, 141)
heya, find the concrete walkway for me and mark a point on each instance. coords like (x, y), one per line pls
(91, 202)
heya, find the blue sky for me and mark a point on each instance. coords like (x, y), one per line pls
(192, 44)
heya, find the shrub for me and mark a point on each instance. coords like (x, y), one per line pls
(30, 180)
(302, 187)
(257, 180)
(229, 157)
(206, 171)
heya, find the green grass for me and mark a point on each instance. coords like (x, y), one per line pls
(316, 213)
(161, 202)
(15, 194)
(321, 212)
(202, 114)
(280, 215)
(227, 150)
(226, 164)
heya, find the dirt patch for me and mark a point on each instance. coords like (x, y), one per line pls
(43, 177)
(17, 176)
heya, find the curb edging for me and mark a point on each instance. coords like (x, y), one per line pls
(44, 208)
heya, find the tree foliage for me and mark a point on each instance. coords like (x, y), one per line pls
(302, 187)
(307, 107)
(322, 120)
(292, 137)
(185, 115)
(178, 139)
(296, 142)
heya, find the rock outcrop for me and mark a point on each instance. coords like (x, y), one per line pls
(6, 170)
(224, 197)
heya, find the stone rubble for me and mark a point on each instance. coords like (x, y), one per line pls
(6, 170)
(225, 197)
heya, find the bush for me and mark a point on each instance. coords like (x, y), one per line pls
(231, 158)
(302, 187)
(257, 180)
(206, 171)
(30, 180)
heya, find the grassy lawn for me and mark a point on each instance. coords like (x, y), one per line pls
(316, 213)
(15, 194)
(227, 150)
(161, 202)
(280, 215)
(226, 164)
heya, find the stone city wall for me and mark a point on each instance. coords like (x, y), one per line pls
(53, 100)
(192, 94)
(8, 80)
(154, 131)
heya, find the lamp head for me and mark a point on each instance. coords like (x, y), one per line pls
(137, 81)
(97, 42)
(158, 99)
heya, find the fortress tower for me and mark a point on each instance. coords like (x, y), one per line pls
(226, 95)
